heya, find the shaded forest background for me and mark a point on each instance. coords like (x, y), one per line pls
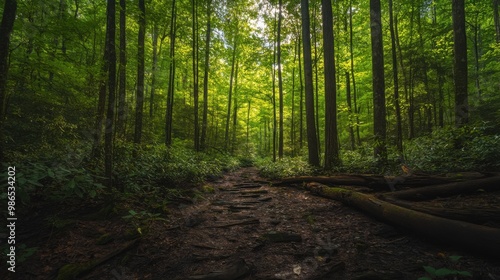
(152, 94)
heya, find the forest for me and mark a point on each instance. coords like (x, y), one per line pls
(197, 122)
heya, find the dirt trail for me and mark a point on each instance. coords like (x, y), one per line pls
(249, 228)
(252, 229)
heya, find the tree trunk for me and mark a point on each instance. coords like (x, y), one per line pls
(280, 83)
(122, 76)
(399, 129)
(6, 27)
(204, 122)
(111, 61)
(171, 83)
(331, 134)
(153, 72)
(312, 140)
(460, 63)
(316, 87)
(301, 99)
(235, 111)
(351, 50)
(275, 122)
(349, 107)
(230, 95)
(477, 238)
(196, 139)
(379, 112)
(139, 101)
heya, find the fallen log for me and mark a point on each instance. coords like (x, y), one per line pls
(481, 239)
(377, 182)
(471, 215)
(424, 193)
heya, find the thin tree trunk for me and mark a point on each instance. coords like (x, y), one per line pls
(379, 112)
(460, 63)
(312, 140)
(195, 78)
(280, 84)
(349, 107)
(399, 129)
(6, 27)
(111, 61)
(301, 99)
(331, 134)
(122, 76)
(204, 123)
(275, 123)
(235, 112)
(153, 72)
(139, 101)
(171, 84)
(230, 95)
(316, 87)
(351, 50)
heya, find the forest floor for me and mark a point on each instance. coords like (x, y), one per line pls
(248, 229)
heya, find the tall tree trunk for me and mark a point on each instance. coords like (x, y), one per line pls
(122, 76)
(349, 107)
(399, 129)
(171, 83)
(248, 126)
(301, 98)
(312, 140)
(204, 122)
(280, 83)
(331, 134)
(139, 101)
(460, 63)
(351, 50)
(6, 27)
(292, 132)
(275, 122)
(111, 61)
(230, 95)
(379, 122)
(153, 72)
(316, 87)
(235, 111)
(195, 78)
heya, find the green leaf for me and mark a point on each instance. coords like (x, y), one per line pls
(50, 173)
(464, 273)
(455, 258)
(431, 270)
(132, 212)
(445, 272)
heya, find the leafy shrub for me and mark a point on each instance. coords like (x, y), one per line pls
(285, 167)
(455, 149)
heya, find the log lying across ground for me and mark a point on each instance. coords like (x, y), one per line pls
(481, 239)
(380, 182)
(424, 193)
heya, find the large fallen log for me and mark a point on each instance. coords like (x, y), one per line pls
(481, 239)
(378, 182)
(424, 193)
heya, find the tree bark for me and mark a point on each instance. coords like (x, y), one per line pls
(171, 83)
(477, 238)
(312, 140)
(497, 20)
(204, 122)
(111, 61)
(460, 63)
(196, 139)
(280, 83)
(154, 71)
(379, 112)
(122, 76)
(399, 129)
(351, 50)
(230, 95)
(6, 27)
(139, 101)
(331, 134)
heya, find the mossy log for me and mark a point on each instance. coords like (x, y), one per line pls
(472, 237)
(472, 215)
(377, 182)
(424, 193)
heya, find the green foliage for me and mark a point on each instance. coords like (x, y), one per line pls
(444, 271)
(455, 149)
(285, 167)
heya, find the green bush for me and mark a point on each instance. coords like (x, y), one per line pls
(285, 167)
(455, 149)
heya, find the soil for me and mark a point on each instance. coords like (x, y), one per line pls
(244, 226)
